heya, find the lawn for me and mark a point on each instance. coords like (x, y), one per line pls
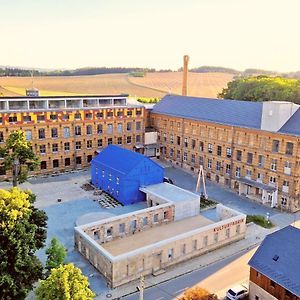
(259, 220)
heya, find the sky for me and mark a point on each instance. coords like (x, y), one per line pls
(72, 34)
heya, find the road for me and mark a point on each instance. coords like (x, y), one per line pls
(216, 278)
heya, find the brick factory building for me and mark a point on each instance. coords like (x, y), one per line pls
(252, 147)
(66, 132)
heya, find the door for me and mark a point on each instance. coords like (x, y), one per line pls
(156, 262)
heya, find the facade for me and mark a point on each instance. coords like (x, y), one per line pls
(121, 173)
(147, 241)
(252, 147)
(274, 268)
(66, 132)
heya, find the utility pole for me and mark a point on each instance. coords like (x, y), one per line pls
(141, 287)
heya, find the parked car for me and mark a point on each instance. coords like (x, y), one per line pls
(237, 292)
(168, 180)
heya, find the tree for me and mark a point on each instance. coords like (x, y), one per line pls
(56, 254)
(198, 293)
(22, 232)
(18, 156)
(64, 282)
(263, 88)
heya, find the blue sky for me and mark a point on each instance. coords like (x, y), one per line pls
(151, 33)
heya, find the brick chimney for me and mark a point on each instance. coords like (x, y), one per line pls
(185, 74)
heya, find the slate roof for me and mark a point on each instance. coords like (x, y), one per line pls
(229, 112)
(284, 243)
(120, 159)
(292, 126)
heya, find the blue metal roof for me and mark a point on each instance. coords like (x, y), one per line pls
(285, 244)
(119, 159)
(292, 126)
(229, 112)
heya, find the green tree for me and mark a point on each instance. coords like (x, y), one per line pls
(22, 232)
(65, 283)
(56, 254)
(198, 293)
(263, 88)
(18, 156)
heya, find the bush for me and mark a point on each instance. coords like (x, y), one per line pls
(259, 220)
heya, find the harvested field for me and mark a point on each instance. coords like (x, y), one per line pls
(199, 84)
(99, 84)
(152, 85)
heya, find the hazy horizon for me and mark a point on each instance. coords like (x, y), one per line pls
(73, 34)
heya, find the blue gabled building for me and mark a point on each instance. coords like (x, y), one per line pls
(121, 172)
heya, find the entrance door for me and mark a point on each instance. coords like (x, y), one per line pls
(156, 262)
(248, 189)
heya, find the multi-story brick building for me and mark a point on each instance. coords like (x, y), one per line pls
(252, 147)
(66, 132)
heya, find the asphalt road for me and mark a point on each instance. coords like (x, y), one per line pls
(216, 278)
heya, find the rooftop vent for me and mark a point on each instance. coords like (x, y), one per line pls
(275, 257)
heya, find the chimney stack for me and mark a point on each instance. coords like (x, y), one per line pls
(185, 74)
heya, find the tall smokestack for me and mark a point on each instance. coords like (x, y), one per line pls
(185, 74)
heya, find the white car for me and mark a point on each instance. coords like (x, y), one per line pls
(237, 292)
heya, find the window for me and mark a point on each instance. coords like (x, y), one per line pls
(193, 158)
(55, 148)
(109, 231)
(120, 127)
(228, 152)
(109, 141)
(219, 150)
(171, 138)
(178, 140)
(183, 249)
(193, 144)
(77, 130)
(227, 233)
(195, 242)
(238, 229)
(89, 158)
(54, 132)
(89, 144)
(261, 161)
(99, 115)
(201, 146)
(155, 218)
(289, 148)
(43, 165)
(238, 172)
(55, 163)
(238, 155)
(285, 183)
(205, 241)
(28, 134)
(171, 253)
(138, 125)
(122, 228)
(66, 132)
(99, 129)
(42, 149)
(186, 144)
(78, 160)
(178, 156)
(1, 137)
(201, 160)
(41, 133)
(209, 163)
(210, 148)
(27, 118)
(171, 152)
(65, 117)
(272, 283)
(119, 114)
(258, 275)
(275, 146)
(53, 117)
(89, 129)
(88, 116)
(138, 112)
(109, 128)
(78, 145)
(77, 116)
(184, 156)
(165, 137)
(218, 166)
(129, 126)
(110, 114)
(100, 143)
(67, 146)
(249, 158)
(216, 237)
(248, 173)
(67, 161)
(274, 164)
(128, 139)
(145, 221)
(272, 179)
(119, 140)
(129, 113)
(40, 118)
(138, 138)
(228, 169)
(12, 119)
